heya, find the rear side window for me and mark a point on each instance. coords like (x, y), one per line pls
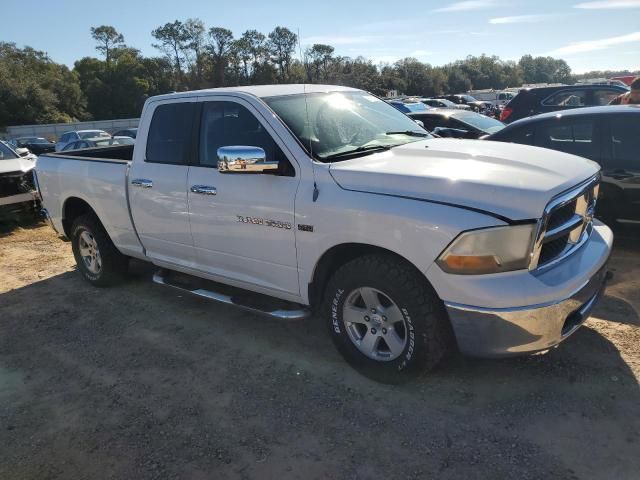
(625, 142)
(570, 136)
(567, 98)
(169, 139)
(603, 97)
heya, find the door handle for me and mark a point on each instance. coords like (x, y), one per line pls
(204, 189)
(142, 182)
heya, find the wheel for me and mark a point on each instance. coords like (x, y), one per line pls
(385, 319)
(99, 261)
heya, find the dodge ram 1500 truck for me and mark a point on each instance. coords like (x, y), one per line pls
(283, 199)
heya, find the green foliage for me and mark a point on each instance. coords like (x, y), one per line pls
(33, 89)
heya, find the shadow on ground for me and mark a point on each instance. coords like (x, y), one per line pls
(139, 381)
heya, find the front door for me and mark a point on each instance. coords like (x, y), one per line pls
(243, 223)
(158, 184)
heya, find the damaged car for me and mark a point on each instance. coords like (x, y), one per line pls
(17, 186)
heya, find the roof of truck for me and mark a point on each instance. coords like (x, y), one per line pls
(265, 90)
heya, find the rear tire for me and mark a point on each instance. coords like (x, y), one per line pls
(385, 319)
(99, 261)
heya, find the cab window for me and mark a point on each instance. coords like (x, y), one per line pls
(169, 138)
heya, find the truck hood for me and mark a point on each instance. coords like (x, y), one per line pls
(505, 179)
(16, 165)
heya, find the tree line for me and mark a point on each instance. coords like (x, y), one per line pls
(35, 89)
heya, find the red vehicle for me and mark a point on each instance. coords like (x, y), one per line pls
(626, 79)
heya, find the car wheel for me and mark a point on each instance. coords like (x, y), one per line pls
(385, 318)
(98, 260)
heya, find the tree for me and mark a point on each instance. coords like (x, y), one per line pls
(544, 70)
(221, 41)
(173, 40)
(194, 30)
(282, 44)
(33, 89)
(317, 59)
(108, 38)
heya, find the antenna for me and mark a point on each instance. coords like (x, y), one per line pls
(316, 192)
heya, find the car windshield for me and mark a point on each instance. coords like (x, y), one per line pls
(93, 134)
(481, 122)
(34, 140)
(416, 107)
(6, 153)
(468, 98)
(330, 125)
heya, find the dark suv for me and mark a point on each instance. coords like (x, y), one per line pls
(532, 101)
(608, 135)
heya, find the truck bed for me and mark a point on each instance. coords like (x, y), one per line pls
(96, 177)
(115, 153)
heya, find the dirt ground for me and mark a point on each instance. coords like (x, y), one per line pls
(139, 382)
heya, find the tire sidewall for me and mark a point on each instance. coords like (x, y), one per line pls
(78, 228)
(415, 353)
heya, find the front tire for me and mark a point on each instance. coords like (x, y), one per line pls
(99, 261)
(385, 319)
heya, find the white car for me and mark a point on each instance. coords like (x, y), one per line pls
(72, 136)
(16, 178)
(326, 198)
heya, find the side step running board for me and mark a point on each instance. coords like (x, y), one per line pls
(253, 302)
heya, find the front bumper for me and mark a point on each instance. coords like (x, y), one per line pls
(567, 294)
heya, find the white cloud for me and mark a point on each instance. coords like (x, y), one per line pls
(518, 19)
(610, 4)
(467, 5)
(593, 45)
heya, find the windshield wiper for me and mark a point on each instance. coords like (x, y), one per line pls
(411, 133)
(356, 151)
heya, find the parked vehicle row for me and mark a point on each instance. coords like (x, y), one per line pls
(327, 198)
(607, 135)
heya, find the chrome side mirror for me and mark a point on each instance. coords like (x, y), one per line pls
(244, 159)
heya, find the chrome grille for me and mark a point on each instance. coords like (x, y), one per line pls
(566, 224)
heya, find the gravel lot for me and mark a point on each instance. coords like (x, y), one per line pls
(141, 382)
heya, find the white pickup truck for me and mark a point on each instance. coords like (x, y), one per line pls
(283, 199)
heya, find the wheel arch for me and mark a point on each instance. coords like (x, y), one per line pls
(72, 208)
(337, 256)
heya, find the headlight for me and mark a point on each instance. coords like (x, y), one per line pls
(490, 250)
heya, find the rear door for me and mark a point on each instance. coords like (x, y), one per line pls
(158, 182)
(243, 223)
(622, 140)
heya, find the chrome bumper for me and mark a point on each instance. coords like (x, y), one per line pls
(517, 331)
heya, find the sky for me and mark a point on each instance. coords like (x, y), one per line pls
(589, 35)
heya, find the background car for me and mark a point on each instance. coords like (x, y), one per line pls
(98, 142)
(17, 187)
(36, 145)
(69, 137)
(464, 124)
(608, 135)
(443, 103)
(532, 101)
(127, 132)
(461, 99)
(408, 106)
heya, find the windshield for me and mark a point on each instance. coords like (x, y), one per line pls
(32, 140)
(416, 107)
(6, 153)
(481, 122)
(468, 98)
(342, 122)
